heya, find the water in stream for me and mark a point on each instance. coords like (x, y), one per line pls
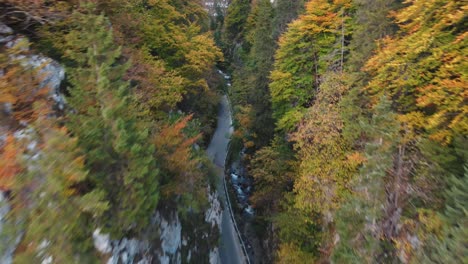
(239, 181)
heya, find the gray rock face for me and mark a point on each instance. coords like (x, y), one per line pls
(171, 238)
(5, 34)
(51, 74)
(52, 71)
(128, 251)
(170, 243)
(7, 255)
(124, 251)
(214, 214)
(5, 39)
(5, 30)
(102, 241)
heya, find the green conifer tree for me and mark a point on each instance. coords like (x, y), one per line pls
(118, 154)
(360, 239)
(250, 85)
(58, 215)
(234, 24)
(450, 246)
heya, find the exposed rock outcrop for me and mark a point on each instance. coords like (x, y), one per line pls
(51, 74)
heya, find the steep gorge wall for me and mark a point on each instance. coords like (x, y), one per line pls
(168, 239)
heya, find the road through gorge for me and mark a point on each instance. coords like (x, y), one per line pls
(230, 246)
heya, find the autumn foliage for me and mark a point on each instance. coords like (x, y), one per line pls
(369, 100)
(113, 153)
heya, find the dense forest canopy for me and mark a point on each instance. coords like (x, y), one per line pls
(140, 100)
(351, 117)
(366, 161)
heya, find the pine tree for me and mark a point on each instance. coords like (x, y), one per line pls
(451, 249)
(118, 154)
(261, 59)
(286, 11)
(371, 23)
(53, 203)
(360, 239)
(234, 24)
(448, 245)
(250, 86)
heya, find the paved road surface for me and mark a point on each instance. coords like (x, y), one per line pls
(230, 248)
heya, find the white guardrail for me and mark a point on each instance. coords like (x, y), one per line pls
(231, 213)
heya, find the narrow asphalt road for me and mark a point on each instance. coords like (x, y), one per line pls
(230, 248)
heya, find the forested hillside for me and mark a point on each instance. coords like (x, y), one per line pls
(352, 115)
(350, 119)
(106, 108)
